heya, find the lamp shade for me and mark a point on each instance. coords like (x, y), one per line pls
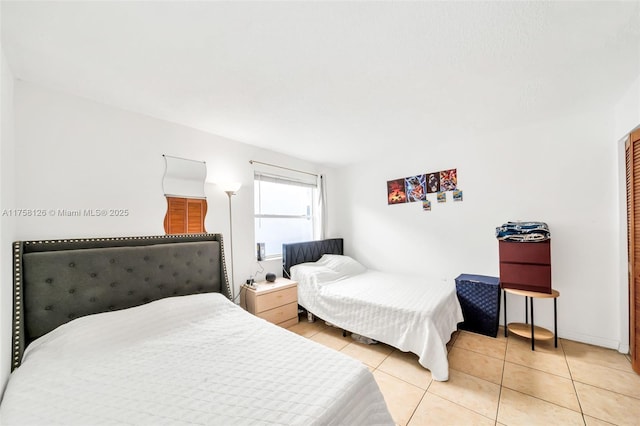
(230, 187)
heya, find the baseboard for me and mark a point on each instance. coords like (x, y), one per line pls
(594, 340)
(623, 348)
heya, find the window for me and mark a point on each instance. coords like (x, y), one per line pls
(284, 211)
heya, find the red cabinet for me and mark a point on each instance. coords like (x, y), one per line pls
(525, 266)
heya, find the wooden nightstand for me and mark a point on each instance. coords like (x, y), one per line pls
(275, 302)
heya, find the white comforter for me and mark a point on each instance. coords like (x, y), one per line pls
(187, 360)
(413, 314)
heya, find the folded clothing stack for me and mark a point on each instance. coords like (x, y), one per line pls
(523, 232)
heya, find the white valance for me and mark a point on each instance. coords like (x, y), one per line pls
(309, 181)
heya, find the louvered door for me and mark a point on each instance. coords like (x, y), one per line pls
(632, 158)
(196, 210)
(185, 215)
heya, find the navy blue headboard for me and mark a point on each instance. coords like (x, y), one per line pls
(309, 251)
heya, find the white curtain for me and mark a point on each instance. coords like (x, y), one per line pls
(321, 223)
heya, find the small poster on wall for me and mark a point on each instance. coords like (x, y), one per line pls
(457, 195)
(442, 197)
(448, 180)
(433, 182)
(395, 191)
(415, 187)
(426, 205)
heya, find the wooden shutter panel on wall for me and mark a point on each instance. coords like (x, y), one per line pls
(185, 215)
(632, 159)
(175, 221)
(196, 210)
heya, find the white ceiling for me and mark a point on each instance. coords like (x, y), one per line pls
(330, 82)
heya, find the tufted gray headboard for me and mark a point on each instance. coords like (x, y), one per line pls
(56, 281)
(308, 251)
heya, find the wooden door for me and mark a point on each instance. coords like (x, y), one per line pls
(632, 158)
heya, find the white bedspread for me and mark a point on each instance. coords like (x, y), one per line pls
(187, 360)
(413, 314)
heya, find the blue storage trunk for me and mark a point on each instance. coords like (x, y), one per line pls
(479, 297)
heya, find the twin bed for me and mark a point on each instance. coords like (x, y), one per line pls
(100, 337)
(413, 314)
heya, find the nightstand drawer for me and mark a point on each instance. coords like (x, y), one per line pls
(536, 253)
(265, 302)
(281, 313)
(526, 277)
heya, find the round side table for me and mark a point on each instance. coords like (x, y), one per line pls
(531, 331)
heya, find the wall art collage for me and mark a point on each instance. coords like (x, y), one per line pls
(416, 188)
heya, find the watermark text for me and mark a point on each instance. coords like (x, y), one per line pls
(65, 212)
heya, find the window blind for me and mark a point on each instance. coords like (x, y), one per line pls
(309, 182)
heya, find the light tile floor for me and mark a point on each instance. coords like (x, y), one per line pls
(498, 381)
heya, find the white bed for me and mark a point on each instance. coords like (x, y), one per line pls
(140, 330)
(195, 359)
(413, 314)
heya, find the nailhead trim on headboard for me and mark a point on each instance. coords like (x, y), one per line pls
(17, 301)
(18, 340)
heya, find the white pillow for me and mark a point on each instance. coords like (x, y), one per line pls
(344, 265)
(313, 273)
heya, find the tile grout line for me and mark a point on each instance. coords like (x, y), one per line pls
(604, 389)
(574, 381)
(475, 351)
(573, 384)
(425, 391)
(499, 385)
(564, 355)
(545, 371)
(547, 401)
(460, 405)
(532, 396)
(450, 368)
(539, 370)
(418, 404)
(504, 363)
(402, 380)
(386, 357)
(552, 403)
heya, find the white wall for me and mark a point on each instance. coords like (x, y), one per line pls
(562, 171)
(627, 118)
(7, 230)
(627, 110)
(73, 153)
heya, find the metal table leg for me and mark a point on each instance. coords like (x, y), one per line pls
(555, 322)
(505, 312)
(533, 339)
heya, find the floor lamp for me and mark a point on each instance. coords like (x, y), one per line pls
(231, 189)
